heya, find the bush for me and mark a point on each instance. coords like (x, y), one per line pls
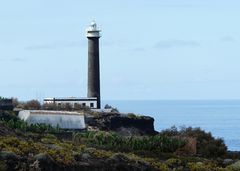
(234, 167)
(32, 105)
(17, 124)
(173, 131)
(207, 145)
(50, 106)
(18, 146)
(6, 104)
(131, 115)
(134, 116)
(37, 128)
(7, 115)
(43, 128)
(112, 141)
(204, 166)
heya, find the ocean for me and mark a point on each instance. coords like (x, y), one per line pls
(220, 117)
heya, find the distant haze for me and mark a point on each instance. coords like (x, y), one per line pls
(158, 49)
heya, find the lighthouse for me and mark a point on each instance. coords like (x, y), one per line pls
(93, 35)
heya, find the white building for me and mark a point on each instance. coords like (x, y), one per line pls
(90, 102)
(63, 119)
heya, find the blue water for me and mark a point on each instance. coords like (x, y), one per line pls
(220, 117)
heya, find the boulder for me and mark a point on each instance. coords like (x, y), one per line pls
(117, 158)
(86, 156)
(120, 162)
(8, 155)
(227, 162)
(46, 163)
(11, 160)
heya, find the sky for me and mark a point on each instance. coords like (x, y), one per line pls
(149, 50)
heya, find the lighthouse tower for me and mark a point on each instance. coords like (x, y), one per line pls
(93, 35)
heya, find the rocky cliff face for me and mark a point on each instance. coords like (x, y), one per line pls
(122, 123)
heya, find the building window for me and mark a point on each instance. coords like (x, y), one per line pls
(91, 105)
(84, 104)
(59, 104)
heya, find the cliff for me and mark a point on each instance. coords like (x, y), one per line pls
(124, 124)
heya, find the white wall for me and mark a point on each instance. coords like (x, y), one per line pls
(65, 121)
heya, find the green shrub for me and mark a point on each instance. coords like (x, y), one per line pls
(62, 156)
(43, 128)
(131, 115)
(112, 141)
(7, 115)
(16, 123)
(20, 147)
(134, 116)
(173, 131)
(234, 167)
(32, 105)
(173, 162)
(207, 145)
(200, 166)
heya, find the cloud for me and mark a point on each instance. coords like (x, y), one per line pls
(176, 43)
(227, 39)
(55, 45)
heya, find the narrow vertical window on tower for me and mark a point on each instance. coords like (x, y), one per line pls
(93, 35)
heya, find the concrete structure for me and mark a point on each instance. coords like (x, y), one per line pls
(63, 119)
(88, 102)
(93, 35)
